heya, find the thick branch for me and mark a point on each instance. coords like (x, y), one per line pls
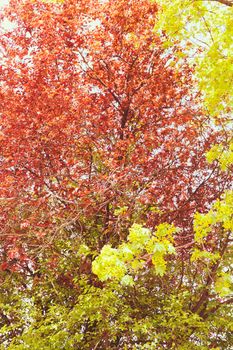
(225, 2)
(204, 298)
(214, 309)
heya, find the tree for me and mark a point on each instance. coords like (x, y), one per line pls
(101, 130)
(206, 28)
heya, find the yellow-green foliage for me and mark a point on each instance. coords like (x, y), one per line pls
(220, 216)
(221, 213)
(222, 155)
(208, 27)
(203, 254)
(142, 246)
(223, 284)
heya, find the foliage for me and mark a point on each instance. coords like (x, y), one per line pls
(112, 233)
(132, 256)
(207, 27)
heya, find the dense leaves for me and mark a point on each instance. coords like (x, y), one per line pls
(206, 26)
(103, 171)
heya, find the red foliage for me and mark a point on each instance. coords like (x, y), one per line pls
(95, 117)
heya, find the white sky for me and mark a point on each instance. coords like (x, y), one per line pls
(3, 2)
(6, 24)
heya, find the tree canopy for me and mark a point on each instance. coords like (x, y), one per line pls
(116, 173)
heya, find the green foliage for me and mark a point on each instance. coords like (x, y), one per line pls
(206, 29)
(145, 300)
(134, 308)
(222, 154)
(224, 284)
(221, 213)
(204, 255)
(142, 247)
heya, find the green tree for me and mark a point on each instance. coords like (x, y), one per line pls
(206, 29)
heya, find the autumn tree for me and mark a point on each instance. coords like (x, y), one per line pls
(206, 29)
(103, 166)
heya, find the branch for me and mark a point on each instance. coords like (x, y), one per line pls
(214, 309)
(224, 2)
(204, 298)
